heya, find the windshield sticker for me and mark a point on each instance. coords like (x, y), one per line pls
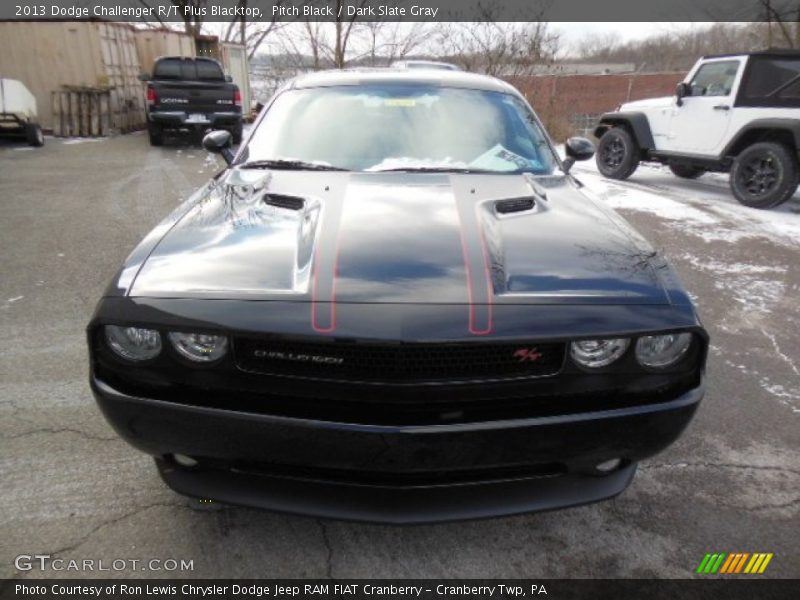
(403, 102)
(409, 162)
(499, 158)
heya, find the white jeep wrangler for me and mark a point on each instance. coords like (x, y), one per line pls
(733, 113)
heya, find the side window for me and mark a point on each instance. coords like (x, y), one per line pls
(772, 81)
(715, 78)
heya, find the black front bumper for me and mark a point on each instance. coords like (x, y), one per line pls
(395, 474)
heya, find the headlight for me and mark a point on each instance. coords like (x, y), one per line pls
(133, 343)
(598, 353)
(199, 347)
(659, 351)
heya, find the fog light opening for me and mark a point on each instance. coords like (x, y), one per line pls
(184, 461)
(608, 465)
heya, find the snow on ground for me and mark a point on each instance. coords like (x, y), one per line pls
(704, 207)
(752, 295)
(82, 140)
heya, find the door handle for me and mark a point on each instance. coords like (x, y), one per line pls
(722, 107)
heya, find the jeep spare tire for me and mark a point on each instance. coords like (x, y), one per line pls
(617, 154)
(686, 172)
(764, 175)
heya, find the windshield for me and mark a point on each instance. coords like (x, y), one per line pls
(399, 127)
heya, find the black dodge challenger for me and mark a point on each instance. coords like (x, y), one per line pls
(396, 304)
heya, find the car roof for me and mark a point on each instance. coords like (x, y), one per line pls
(774, 52)
(434, 76)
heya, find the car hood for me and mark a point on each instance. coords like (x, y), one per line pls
(662, 102)
(337, 237)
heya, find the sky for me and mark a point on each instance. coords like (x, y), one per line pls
(572, 32)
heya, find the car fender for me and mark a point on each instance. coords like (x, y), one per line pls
(636, 121)
(745, 136)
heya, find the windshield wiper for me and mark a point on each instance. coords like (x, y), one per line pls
(439, 170)
(288, 164)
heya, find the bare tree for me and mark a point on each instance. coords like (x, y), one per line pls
(499, 49)
(251, 34)
(191, 13)
(344, 26)
(787, 23)
(676, 50)
(384, 42)
(350, 40)
(597, 46)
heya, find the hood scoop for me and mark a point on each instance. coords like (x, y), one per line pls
(514, 205)
(287, 202)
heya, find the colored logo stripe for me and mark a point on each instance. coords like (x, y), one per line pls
(734, 563)
(711, 563)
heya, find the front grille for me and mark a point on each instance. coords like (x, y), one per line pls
(399, 362)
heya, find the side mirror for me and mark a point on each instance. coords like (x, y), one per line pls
(144, 76)
(219, 142)
(579, 148)
(228, 78)
(681, 91)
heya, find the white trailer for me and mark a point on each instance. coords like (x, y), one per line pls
(18, 114)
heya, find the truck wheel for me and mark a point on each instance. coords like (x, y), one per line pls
(236, 134)
(34, 135)
(764, 175)
(156, 135)
(617, 154)
(686, 172)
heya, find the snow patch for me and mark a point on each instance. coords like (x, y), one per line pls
(755, 294)
(704, 207)
(716, 266)
(81, 140)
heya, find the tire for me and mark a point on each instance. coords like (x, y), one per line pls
(617, 154)
(764, 175)
(236, 134)
(34, 135)
(686, 172)
(156, 135)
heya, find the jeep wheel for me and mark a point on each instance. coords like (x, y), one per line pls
(686, 172)
(617, 154)
(764, 175)
(34, 135)
(156, 135)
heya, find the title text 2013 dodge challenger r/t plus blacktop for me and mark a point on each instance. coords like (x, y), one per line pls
(396, 305)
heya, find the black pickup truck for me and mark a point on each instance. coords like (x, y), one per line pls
(191, 94)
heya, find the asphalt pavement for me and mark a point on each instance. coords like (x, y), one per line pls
(70, 488)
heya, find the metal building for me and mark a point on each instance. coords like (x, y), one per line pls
(84, 74)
